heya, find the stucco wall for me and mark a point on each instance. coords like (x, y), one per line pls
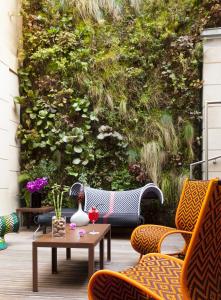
(212, 92)
(10, 25)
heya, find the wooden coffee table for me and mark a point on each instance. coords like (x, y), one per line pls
(72, 240)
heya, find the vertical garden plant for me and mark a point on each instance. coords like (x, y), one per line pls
(107, 86)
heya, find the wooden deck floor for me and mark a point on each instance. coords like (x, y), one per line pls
(71, 280)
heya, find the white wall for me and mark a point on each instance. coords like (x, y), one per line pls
(10, 25)
(212, 93)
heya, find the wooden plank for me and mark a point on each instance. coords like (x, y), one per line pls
(72, 278)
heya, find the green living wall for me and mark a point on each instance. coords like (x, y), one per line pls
(111, 90)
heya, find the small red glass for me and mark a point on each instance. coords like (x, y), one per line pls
(93, 215)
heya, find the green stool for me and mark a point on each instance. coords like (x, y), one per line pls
(9, 223)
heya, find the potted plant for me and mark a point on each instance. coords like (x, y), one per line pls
(32, 192)
(58, 221)
(33, 196)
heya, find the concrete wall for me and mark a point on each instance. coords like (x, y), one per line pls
(10, 28)
(212, 93)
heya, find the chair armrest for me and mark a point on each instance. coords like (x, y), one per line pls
(103, 283)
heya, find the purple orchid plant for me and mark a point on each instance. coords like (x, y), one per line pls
(37, 184)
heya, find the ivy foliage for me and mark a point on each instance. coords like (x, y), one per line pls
(111, 93)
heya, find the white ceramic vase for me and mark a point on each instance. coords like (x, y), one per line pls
(80, 218)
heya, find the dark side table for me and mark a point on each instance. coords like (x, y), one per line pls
(32, 210)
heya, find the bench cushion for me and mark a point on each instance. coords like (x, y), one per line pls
(116, 220)
(45, 219)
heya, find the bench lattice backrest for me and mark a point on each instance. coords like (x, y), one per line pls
(127, 202)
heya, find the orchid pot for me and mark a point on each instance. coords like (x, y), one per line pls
(33, 193)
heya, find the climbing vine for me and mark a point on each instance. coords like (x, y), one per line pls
(110, 92)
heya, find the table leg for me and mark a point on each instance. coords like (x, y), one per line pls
(28, 220)
(90, 261)
(68, 253)
(102, 254)
(34, 268)
(109, 246)
(20, 216)
(54, 260)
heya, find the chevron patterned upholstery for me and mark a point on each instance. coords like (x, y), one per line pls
(148, 238)
(162, 282)
(154, 272)
(8, 223)
(114, 288)
(191, 201)
(163, 277)
(202, 268)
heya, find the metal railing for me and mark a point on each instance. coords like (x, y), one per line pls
(201, 162)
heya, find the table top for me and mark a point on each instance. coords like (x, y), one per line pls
(43, 209)
(72, 238)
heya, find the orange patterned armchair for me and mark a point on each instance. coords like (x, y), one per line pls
(164, 277)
